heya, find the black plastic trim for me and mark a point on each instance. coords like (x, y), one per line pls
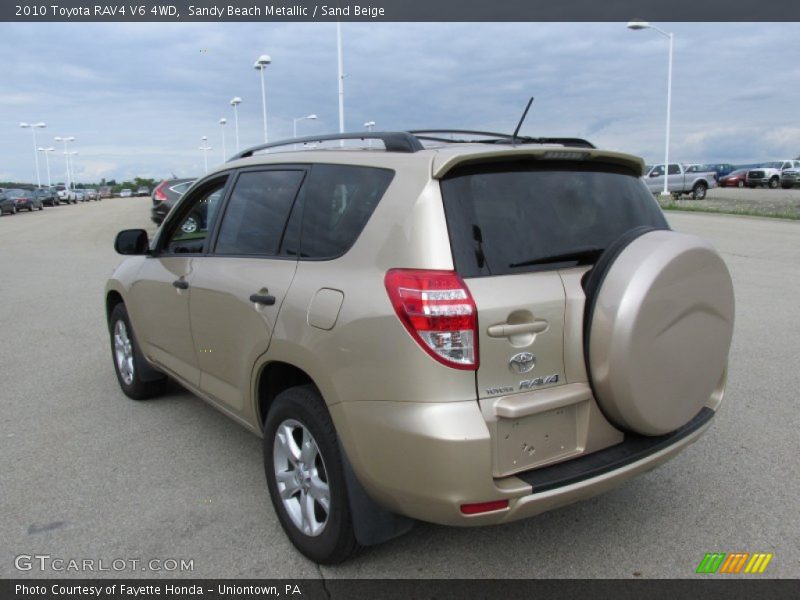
(633, 448)
(394, 141)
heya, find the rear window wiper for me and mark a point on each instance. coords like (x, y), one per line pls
(580, 255)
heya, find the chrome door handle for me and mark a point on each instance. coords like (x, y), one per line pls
(508, 329)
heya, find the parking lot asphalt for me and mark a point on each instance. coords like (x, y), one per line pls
(88, 474)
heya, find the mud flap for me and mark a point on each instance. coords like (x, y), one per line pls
(372, 523)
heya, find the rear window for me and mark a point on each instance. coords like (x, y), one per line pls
(520, 217)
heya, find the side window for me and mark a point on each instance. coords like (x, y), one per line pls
(196, 217)
(674, 170)
(256, 215)
(658, 171)
(339, 200)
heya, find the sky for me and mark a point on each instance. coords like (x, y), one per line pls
(138, 97)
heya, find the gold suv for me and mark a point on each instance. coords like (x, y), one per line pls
(459, 327)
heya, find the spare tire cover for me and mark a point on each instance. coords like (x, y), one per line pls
(659, 329)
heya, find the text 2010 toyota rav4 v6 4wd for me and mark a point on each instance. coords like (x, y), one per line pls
(466, 331)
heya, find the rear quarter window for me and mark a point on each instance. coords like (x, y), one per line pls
(338, 200)
(527, 216)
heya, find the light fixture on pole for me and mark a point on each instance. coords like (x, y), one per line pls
(236, 101)
(637, 24)
(294, 124)
(47, 152)
(260, 65)
(66, 140)
(222, 123)
(205, 148)
(340, 64)
(295, 120)
(33, 127)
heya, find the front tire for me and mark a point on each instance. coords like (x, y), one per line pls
(305, 477)
(740, 184)
(773, 183)
(129, 363)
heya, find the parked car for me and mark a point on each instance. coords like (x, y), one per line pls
(66, 195)
(679, 181)
(769, 174)
(165, 195)
(790, 177)
(7, 205)
(25, 199)
(91, 194)
(105, 191)
(80, 195)
(469, 334)
(47, 195)
(720, 169)
(734, 179)
(125, 193)
(143, 191)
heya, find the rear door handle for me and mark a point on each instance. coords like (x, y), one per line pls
(508, 329)
(181, 284)
(264, 299)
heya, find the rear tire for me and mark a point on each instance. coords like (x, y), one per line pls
(129, 363)
(303, 465)
(740, 184)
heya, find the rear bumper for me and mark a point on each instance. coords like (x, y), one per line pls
(424, 460)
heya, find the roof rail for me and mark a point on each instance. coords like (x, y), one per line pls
(393, 141)
(500, 138)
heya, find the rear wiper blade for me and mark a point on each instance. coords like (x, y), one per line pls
(582, 254)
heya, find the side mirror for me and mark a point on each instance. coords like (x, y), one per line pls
(132, 242)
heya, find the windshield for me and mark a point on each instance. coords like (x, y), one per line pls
(16, 193)
(772, 165)
(518, 217)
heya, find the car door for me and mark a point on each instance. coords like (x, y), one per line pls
(160, 296)
(237, 289)
(655, 179)
(675, 182)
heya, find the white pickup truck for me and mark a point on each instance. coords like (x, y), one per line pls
(679, 181)
(770, 173)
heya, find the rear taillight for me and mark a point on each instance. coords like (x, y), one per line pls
(158, 194)
(439, 313)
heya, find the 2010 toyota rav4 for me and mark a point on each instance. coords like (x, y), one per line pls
(458, 328)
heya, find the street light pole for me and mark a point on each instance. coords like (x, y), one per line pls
(222, 123)
(66, 140)
(260, 65)
(236, 101)
(33, 127)
(340, 63)
(205, 148)
(47, 152)
(369, 125)
(635, 25)
(71, 166)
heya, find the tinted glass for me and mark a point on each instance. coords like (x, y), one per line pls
(522, 217)
(257, 211)
(674, 170)
(190, 229)
(338, 202)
